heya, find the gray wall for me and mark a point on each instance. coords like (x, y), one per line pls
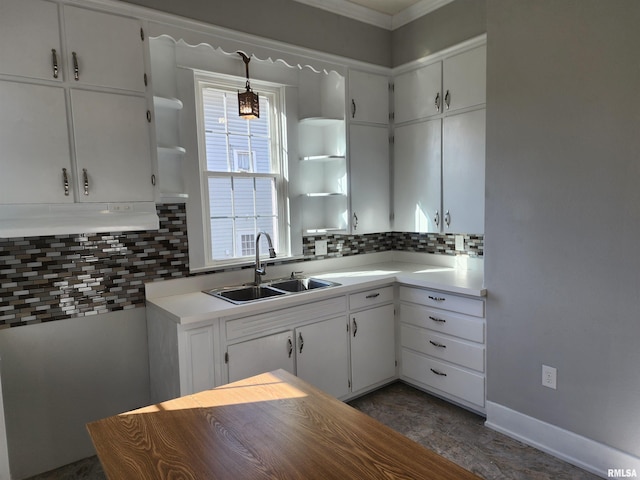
(563, 213)
(287, 21)
(57, 376)
(442, 28)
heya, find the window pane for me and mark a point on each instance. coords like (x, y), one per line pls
(239, 146)
(235, 123)
(220, 200)
(243, 197)
(217, 156)
(260, 126)
(262, 152)
(267, 225)
(222, 239)
(214, 110)
(265, 197)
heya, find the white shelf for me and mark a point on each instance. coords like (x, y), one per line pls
(174, 149)
(321, 121)
(167, 102)
(324, 194)
(324, 230)
(170, 197)
(317, 158)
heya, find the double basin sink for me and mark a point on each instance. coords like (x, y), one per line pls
(275, 288)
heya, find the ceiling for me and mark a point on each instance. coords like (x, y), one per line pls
(389, 14)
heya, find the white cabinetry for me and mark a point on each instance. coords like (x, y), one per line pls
(322, 172)
(439, 149)
(442, 339)
(308, 340)
(78, 130)
(372, 338)
(369, 170)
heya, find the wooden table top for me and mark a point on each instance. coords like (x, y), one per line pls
(271, 426)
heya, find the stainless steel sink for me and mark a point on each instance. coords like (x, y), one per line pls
(252, 293)
(245, 294)
(301, 284)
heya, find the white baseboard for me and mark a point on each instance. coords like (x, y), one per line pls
(583, 452)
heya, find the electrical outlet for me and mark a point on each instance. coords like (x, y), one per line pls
(549, 377)
(459, 243)
(321, 247)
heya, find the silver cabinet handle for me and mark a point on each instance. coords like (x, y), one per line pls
(353, 108)
(76, 68)
(373, 295)
(438, 102)
(65, 182)
(85, 181)
(437, 299)
(438, 373)
(300, 341)
(436, 219)
(447, 99)
(439, 320)
(447, 218)
(355, 327)
(435, 344)
(289, 346)
(355, 221)
(54, 62)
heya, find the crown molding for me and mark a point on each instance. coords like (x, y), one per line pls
(372, 17)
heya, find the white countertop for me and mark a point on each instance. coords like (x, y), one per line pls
(195, 306)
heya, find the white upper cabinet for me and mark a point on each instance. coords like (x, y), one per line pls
(104, 50)
(30, 39)
(370, 183)
(463, 172)
(35, 148)
(417, 177)
(457, 82)
(113, 148)
(465, 79)
(368, 97)
(417, 93)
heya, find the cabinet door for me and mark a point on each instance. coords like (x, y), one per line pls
(108, 49)
(463, 172)
(261, 355)
(368, 97)
(369, 176)
(199, 372)
(112, 143)
(28, 33)
(418, 94)
(35, 144)
(417, 177)
(322, 355)
(373, 354)
(465, 79)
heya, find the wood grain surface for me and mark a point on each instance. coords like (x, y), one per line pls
(271, 426)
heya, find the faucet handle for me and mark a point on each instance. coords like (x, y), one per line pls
(295, 274)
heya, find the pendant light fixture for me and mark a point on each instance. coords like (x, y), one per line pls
(248, 104)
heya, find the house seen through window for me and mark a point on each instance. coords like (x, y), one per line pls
(244, 192)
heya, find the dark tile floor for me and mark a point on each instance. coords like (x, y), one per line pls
(453, 432)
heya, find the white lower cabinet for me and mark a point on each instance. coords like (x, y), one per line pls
(261, 355)
(442, 339)
(372, 338)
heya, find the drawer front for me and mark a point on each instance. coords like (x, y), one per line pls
(446, 301)
(370, 297)
(259, 324)
(466, 354)
(444, 377)
(463, 326)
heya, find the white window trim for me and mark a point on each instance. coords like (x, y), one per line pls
(200, 252)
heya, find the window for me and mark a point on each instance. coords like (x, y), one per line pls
(243, 184)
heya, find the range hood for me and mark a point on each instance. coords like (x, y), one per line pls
(62, 219)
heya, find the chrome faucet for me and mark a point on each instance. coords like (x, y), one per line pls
(260, 269)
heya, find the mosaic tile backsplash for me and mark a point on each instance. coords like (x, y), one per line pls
(56, 277)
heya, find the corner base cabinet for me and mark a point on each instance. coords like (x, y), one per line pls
(442, 341)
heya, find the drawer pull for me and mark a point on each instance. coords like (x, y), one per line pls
(438, 373)
(373, 295)
(436, 344)
(437, 299)
(436, 319)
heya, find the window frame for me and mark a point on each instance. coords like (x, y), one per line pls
(275, 93)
